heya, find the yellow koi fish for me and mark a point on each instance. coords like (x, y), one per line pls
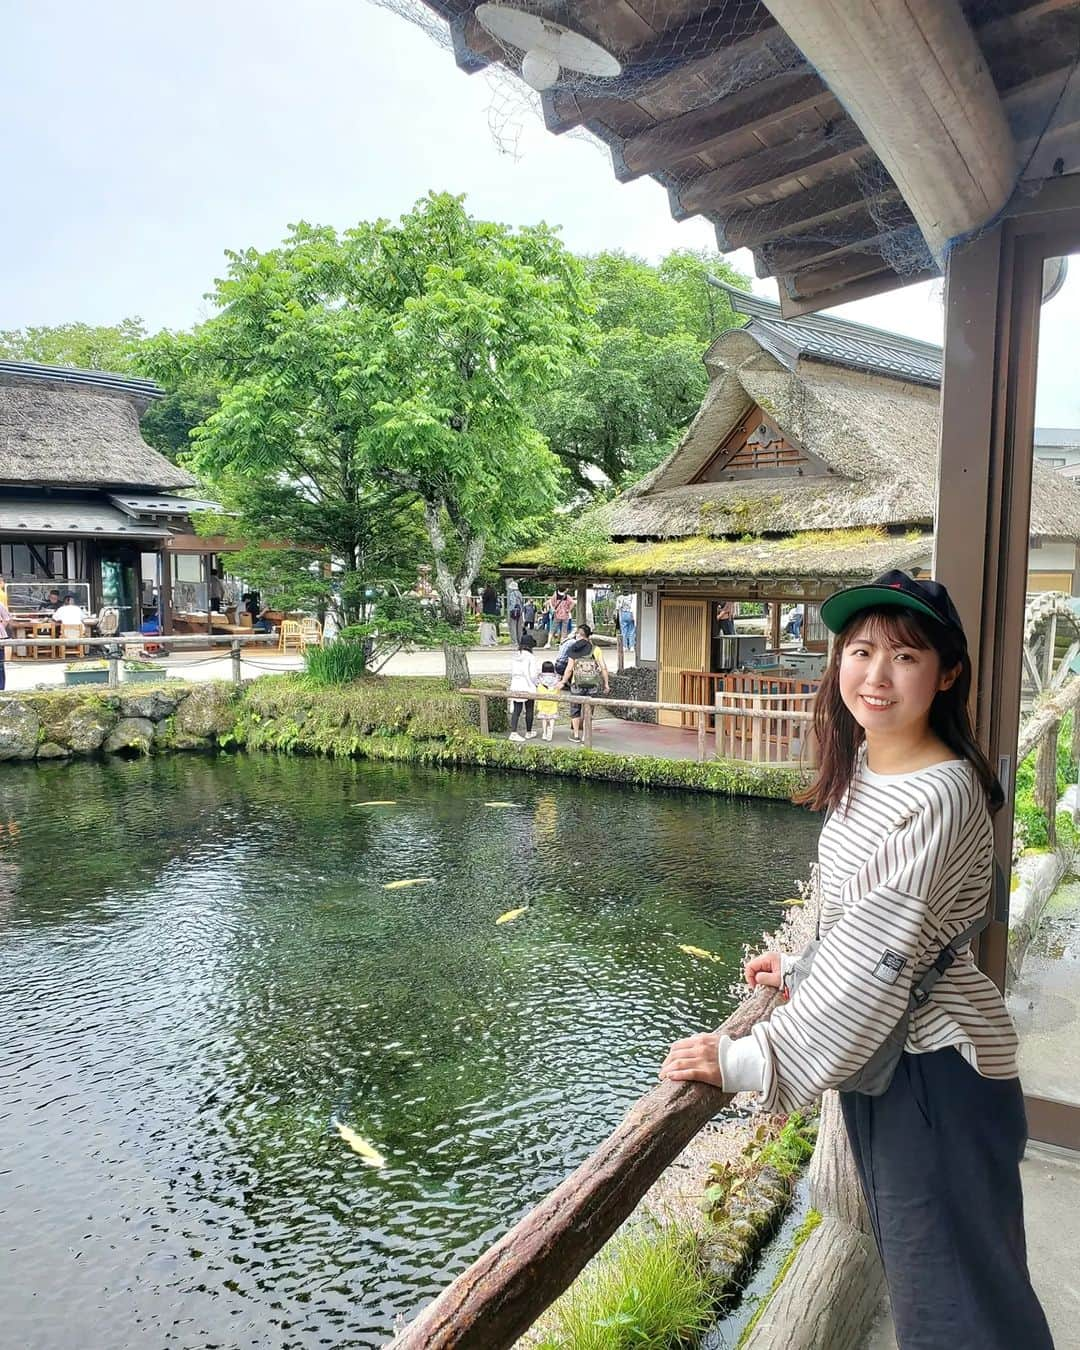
(699, 952)
(500, 803)
(511, 915)
(408, 881)
(370, 1155)
(797, 902)
(374, 803)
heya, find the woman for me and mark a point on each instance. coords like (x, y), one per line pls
(906, 861)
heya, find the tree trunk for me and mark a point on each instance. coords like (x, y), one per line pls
(1046, 781)
(457, 665)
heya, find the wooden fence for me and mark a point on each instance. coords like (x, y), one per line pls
(129, 646)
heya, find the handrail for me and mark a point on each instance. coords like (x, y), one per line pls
(151, 639)
(551, 695)
(505, 1290)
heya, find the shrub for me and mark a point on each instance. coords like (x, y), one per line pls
(338, 662)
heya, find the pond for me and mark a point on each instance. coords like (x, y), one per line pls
(203, 968)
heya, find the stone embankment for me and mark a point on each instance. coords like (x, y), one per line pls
(142, 720)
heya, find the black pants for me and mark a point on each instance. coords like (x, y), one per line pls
(529, 705)
(939, 1155)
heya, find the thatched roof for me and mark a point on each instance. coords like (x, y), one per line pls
(832, 555)
(875, 435)
(77, 434)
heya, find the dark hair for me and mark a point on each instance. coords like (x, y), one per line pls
(548, 666)
(584, 628)
(67, 598)
(527, 642)
(839, 735)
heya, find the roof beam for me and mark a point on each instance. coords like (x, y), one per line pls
(934, 119)
(835, 145)
(713, 129)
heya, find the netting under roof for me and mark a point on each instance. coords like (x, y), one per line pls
(718, 104)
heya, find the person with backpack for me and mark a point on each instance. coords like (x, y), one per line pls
(888, 1005)
(584, 674)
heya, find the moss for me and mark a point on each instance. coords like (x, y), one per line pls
(812, 1220)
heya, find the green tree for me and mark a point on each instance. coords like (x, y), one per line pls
(640, 379)
(393, 364)
(86, 346)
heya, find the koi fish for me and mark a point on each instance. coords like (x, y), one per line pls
(511, 915)
(699, 952)
(797, 902)
(500, 803)
(408, 881)
(370, 1155)
(378, 803)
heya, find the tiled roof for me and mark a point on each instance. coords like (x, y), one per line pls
(1061, 438)
(838, 341)
(99, 381)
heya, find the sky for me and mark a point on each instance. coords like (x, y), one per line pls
(145, 140)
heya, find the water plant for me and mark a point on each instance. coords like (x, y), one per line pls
(339, 662)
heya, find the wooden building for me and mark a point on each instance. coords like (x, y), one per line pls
(87, 506)
(811, 464)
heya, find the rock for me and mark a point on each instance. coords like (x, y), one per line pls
(50, 750)
(209, 710)
(154, 704)
(131, 735)
(19, 727)
(84, 728)
(166, 737)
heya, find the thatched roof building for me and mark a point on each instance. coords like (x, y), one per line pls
(85, 504)
(811, 464)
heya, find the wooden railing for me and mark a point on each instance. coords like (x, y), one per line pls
(502, 1293)
(141, 640)
(766, 728)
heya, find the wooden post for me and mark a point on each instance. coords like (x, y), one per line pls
(619, 654)
(586, 725)
(702, 735)
(718, 721)
(235, 650)
(490, 1305)
(484, 728)
(774, 625)
(755, 732)
(114, 670)
(1046, 781)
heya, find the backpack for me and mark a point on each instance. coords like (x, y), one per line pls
(586, 672)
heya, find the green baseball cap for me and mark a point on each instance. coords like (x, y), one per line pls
(892, 588)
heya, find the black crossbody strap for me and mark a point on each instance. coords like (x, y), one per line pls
(998, 910)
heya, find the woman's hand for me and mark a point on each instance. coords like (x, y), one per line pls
(694, 1059)
(764, 970)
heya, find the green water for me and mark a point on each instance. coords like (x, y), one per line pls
(200, 967)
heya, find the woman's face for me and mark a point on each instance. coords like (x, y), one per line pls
(888, 687)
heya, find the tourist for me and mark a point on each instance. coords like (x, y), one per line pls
(929, 1091)
(217, 590)
(624, 617)
(489, 606)
(523, 682)
(515, 606)
(5, 621)
(547, 618)
(725, 617)
(585, 671)
(528, 615)
(52, 603)
(69, 613)
(562, 607)
(793, 622)
(546, 708)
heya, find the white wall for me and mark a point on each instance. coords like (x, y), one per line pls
(1055, 556)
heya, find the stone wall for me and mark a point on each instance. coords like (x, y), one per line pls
(637, 682)
(62, 723)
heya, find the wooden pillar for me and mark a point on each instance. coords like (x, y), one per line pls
(165, 564)
(993, 288)
(581, 609)
(774, 617)
(206, 575)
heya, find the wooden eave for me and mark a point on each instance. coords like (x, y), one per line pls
(777, 165)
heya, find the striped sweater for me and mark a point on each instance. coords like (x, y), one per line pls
(906, 865)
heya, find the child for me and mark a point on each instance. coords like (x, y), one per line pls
(522, 682)
(546, 708)
(906, 860)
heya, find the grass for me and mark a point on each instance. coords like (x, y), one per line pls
(648, 1290)
(336, 663)
(1031, 821)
